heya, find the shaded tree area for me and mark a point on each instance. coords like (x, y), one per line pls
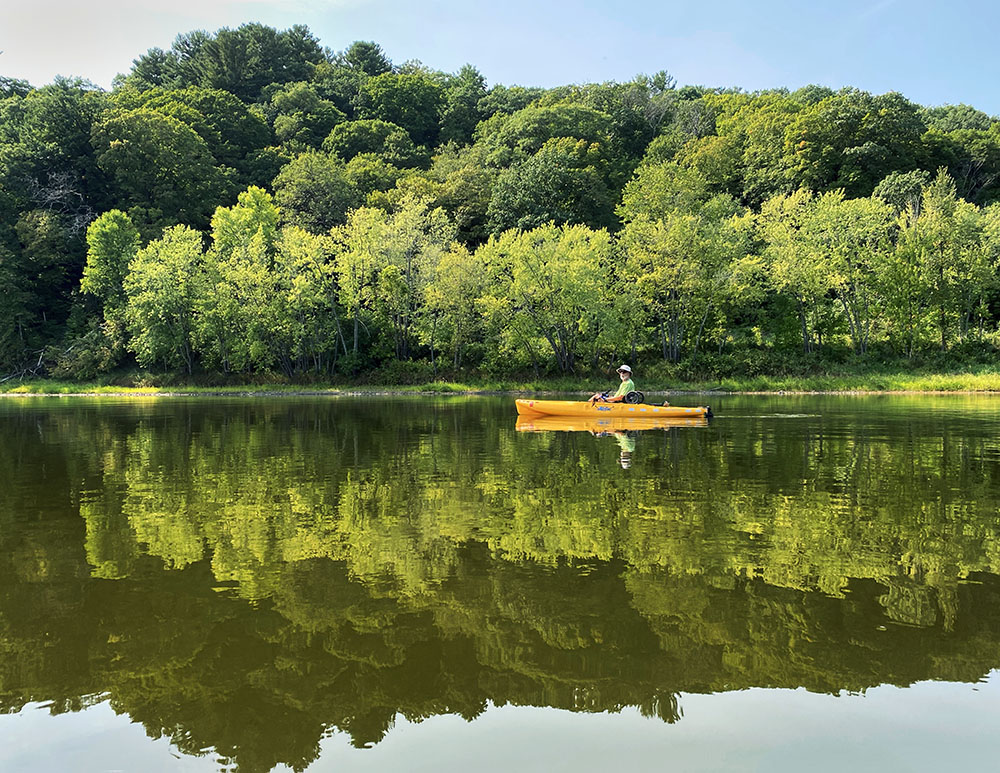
(772, 226)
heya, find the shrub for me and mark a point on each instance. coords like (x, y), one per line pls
(97, 350)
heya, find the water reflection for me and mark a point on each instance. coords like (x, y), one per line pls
(246, 576)
(597, 424)
(625, 430)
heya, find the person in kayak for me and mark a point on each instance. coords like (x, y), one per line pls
(625, 373)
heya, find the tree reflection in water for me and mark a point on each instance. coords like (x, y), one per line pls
(249, 576)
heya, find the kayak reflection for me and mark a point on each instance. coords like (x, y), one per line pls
(597, 424)
(624, 429)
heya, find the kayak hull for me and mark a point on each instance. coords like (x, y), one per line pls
(607, 410)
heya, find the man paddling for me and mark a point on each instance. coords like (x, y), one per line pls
(625, 373)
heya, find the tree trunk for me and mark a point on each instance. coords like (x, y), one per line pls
(674, 329)
(852, 326)
(433, 362)
(944, 342)
(701, 328)
(909, 330)
(340, 335)
(806, 342)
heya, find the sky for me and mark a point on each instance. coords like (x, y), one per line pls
(933, 52)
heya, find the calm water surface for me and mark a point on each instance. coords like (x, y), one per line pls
(385, 584)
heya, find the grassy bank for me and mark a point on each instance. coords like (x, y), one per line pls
(984, 380)
(879, 382)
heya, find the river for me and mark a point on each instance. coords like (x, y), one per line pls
(375, 583)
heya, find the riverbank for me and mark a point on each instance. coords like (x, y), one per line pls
(979, 381)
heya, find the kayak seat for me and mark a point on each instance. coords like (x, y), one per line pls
(634, 398)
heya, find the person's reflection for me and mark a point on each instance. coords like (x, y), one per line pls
(626, 441)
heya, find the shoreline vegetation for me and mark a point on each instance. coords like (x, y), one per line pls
(982, 382)
(251, 207)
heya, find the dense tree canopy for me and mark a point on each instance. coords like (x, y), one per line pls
(767, 222)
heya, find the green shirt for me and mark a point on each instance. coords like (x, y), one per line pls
(625, 387)
(627, 443)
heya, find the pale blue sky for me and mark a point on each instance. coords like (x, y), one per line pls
(933, 52)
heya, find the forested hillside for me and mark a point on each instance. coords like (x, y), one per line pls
(251, 203)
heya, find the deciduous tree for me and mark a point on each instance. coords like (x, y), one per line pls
(163, 285)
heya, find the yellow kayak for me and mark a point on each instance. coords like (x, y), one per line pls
(539, 422)
(603, 410)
